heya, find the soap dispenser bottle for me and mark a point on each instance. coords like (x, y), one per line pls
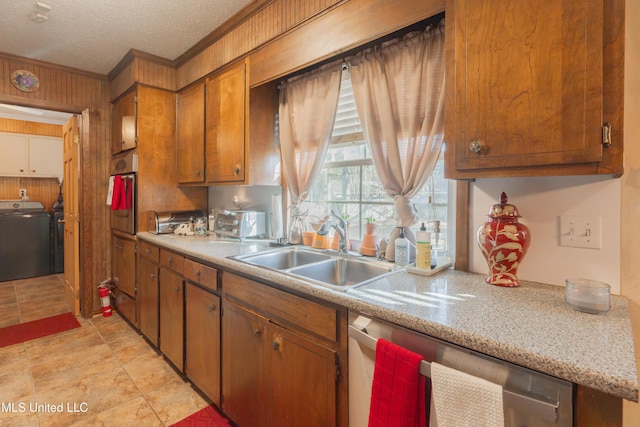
(402, 251)
(423, 248)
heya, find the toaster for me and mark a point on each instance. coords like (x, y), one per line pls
(240, 224)
(167, 222)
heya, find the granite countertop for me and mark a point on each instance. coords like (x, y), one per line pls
(530, 326)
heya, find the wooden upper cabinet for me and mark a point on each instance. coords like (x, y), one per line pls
(190, 135)
(226, 125)
(525, 88)
(124, 132)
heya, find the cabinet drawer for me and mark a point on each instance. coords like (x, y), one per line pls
(150, 251)
(172, 261)
(201, 274)
(278, 305)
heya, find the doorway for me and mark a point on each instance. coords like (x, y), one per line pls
(49, 191)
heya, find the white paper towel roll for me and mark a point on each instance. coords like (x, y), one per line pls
(276, 209)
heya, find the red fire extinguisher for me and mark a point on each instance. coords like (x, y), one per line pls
(105, 301)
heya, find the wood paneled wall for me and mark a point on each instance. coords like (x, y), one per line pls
(265, 24)
(140, 67)
(43, 190)
(32, 128)
(61, 88)
(70, 90)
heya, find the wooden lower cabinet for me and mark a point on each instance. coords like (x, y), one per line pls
(202, 340)
(123, 271)
(243, 337)
(148, 299)
(172, 316)
(274, 375)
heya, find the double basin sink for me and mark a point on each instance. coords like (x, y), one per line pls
(325, 268)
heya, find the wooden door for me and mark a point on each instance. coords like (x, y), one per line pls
(71, 158)
(171, 317)
(226, 125)
(190, 135)
(528, 83)
(148, 299)
(303, 380)
(202, 359)
(243, 390)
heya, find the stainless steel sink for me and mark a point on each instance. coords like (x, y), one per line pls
(342, 273)
(324, 268)
(283, 258)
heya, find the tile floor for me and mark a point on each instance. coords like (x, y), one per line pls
(103, 373)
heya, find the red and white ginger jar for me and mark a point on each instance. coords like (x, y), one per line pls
(503, 242)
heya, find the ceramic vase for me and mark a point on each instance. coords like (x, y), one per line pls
(504, 243)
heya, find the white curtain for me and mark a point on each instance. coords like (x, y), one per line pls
(399, 93)
(307, 111)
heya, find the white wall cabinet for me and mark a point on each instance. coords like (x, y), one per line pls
(32, 156)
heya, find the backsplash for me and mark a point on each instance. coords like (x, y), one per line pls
(245, 197)
(43, 190)
(540, 201)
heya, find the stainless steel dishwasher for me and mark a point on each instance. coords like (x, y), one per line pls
(530, 398)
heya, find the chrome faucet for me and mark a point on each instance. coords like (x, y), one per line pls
(340, 225)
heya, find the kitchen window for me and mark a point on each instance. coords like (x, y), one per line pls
(349, 184)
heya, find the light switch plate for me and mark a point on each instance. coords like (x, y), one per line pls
(581, 231)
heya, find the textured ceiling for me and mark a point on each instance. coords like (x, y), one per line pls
(94, 35)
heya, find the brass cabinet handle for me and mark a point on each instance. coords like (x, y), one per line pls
(147, 251)
(170, 260)
(211, 308)
(236, 169)
(198, 274)
(276, 343)
(476, 146)
(175, 289)
(152, 275)
(33, 171)
(21, 170)
(256, 332)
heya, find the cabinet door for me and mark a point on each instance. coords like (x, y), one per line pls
(243, 335)
(172, 317)
(148, 299)
(124, 130)
(124, 265)
(202, 359)
(527, 84)
(226, 111)
(190, 135)
(15, 154)
(45, 156)
(303, 380)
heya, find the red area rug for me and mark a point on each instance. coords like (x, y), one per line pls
(205, 417)
(22, 332)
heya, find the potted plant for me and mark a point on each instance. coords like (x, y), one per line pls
(369, 226)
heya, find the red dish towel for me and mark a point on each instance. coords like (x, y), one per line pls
(119, 200)
(398, 393)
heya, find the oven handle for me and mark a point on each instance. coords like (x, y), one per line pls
(545, 410)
